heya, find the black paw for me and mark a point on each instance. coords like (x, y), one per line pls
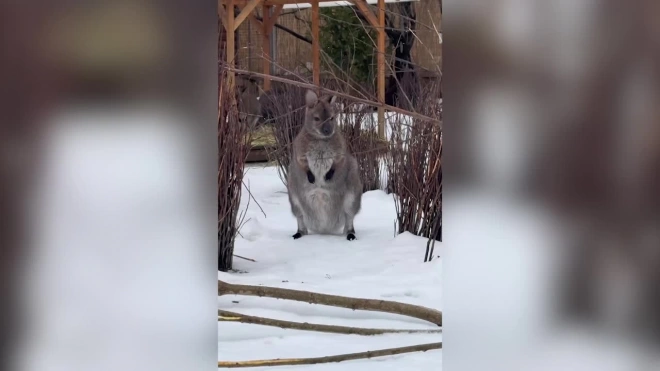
(310, 176)
(329, 174)
(350, 236)
(297, 235)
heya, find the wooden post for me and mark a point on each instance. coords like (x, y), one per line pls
(265, 44)
(316, 55)
(231, 47)
(245, 12)
(222, 14)
(381, 68)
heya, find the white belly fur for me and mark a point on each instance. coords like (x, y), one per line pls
(319, 200)
(320, 162)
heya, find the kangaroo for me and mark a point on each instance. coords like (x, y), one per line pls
(325, 190)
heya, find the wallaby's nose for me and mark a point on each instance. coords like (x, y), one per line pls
(326, 129)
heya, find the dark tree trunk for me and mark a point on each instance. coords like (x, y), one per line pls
(402, 88)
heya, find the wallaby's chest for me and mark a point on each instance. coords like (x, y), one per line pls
(320, 156)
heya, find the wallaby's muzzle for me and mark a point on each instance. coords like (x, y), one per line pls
(326, 129)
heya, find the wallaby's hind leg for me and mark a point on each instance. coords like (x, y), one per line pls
(297, 212)
(351, 207)
(352, 199)
(302, 230)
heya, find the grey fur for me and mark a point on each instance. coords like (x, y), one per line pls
(324, 206)
(250, 109)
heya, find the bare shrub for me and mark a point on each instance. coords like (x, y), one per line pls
(233, 146)
(284, 108)
(361, 133)
(414, 169)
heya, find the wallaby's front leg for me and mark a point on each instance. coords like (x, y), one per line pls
(304, 165)
(338, 161)
(330, 173)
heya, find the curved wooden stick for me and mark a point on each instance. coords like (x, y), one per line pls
(227, 316)
(329, 359)
(410, 310)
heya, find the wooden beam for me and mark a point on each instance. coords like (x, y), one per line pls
(316, 54)
(293, 2)
(282, 2)
(364, 8)
(266, 32)
(222, 14)
(231, 47)
(247, 9)
(381, 68)
(276, 13)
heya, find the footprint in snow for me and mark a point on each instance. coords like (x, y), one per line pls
(408, 294)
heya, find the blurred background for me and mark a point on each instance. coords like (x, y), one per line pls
(552, 240)
(108, 185)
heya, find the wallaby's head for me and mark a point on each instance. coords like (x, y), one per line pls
(320, 115)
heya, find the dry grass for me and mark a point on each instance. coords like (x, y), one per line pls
(263, 137)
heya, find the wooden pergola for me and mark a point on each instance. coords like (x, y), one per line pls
(271, 9)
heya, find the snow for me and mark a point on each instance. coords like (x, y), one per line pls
(377, 265)
(120, 275)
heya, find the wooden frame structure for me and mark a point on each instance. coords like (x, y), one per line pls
(271, 9)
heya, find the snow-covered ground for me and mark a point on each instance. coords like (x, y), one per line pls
(377, 265)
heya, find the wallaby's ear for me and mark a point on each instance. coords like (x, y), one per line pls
(311, 99)
(333, 99)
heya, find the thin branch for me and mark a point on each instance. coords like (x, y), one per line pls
(287, 30)
(247, 187)
(409, 310)
(227, 316)
(330, 359)
(412, 114)
(244, 258)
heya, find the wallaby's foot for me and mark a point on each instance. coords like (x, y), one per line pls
(350, 233)
(310, 177)
(297, 235)
(329, 174)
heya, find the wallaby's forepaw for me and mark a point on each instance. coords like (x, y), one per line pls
(310, 176)
(297, 235)
(350, 236)
(329, 174)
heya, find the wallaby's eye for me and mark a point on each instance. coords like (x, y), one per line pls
(317, 119)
